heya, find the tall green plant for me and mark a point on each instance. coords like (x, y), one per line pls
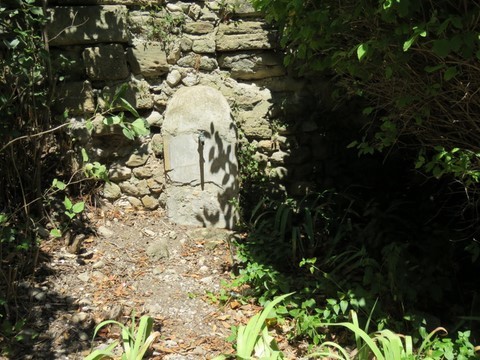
(135, 341)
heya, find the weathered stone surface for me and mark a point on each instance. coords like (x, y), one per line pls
(208, 15)
(279, 173)
(252, 66)
(75, 97)
(242, 8)
(198, 27)
(191, 79)
(155, 185)
(135, 187)
(148, 59)
(200, 158)
(265, 146)
(198, 62)
(156, 145)
(254, 123)
(139, 157)
(279, 157)
(149, 202)
(119, 172)
(155, 119)
(137, 94)
(203, 44)
(106, 62)
(248, 35)
(68, 62)
(174, 52)
(174, 78)
(111, 191)
(137, 203)
(186, 44)
(143, 172)
(158, 249)
(87, 25)
(194, 11)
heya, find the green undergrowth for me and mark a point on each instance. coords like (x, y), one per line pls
(340, 255)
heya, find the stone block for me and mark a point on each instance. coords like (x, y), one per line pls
(148, 59)
(138, 157)
(256, 128)
(248, 35)
(75, 25)
(134, 187)
(137, 94)
(106, 62)
(111, 191)
(156, 145)
(203, 44)
(119, 172)
(75, 97)
(200, 158)
(68, 62)
(149, 202)
(252, 66)
(198, 62)
(198, 27)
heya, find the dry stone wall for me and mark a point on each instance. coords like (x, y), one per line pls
(156, 49)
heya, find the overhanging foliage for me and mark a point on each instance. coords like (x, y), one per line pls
(415, 63)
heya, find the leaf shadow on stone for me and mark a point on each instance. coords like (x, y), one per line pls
(219, 159)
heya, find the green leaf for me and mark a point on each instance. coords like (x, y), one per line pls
(84, 155)
(138, 126)
(127, 106)
(58, 184)
(129, 134)
(407, 44)
(431, 69)
(362, 51)
(450, 73)
(56, 233)
(442, 47)
(388, 72)
(68, 204)
(78, 207)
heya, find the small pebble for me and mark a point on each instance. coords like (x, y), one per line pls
(84, 277)
(99, 264)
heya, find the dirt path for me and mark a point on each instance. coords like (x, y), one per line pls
(136, 263)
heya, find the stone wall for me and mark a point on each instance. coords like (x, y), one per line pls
(157, 48)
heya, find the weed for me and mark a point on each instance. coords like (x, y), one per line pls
(135, 341)
(253, 339)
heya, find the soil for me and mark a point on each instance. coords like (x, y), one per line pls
(133, 263)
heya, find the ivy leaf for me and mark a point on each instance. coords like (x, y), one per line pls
(59, 184)
(441, 47)
(56, 233)
(450, 73)
(78, 207)
(138, 126)
(68, 204)
(431, 69)
(388, 72)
